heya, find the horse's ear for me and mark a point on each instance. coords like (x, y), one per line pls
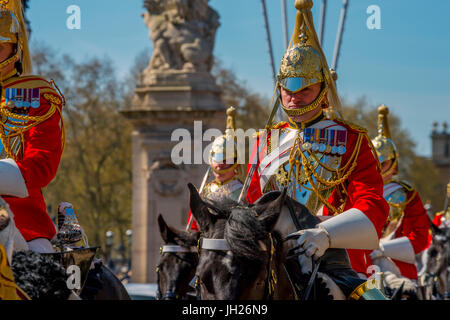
(263, 202)
(166, 232)
(198, 208)
(271, 212)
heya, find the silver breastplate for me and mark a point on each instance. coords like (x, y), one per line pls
(217, 192)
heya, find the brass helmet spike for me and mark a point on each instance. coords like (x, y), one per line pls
(231, 119)
(384, 146)
(383, 125)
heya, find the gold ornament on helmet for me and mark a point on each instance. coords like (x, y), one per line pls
(13, 30)
(384, 146)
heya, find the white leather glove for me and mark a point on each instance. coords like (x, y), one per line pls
(314, 241)
(375, 254)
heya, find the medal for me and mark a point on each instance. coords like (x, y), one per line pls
(322, 147)
(342, 141)
(18, 99)
(307, 146)
(35, 98)
(315, 146)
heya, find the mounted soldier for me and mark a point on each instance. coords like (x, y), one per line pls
(405, 233)
(31, 138)
(325, 163)
(225, 166)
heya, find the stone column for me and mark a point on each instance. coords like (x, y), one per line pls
(175, 90)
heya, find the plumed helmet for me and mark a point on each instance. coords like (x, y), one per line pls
(224, 147)
(300, 67)
(13, 30)
(384, 146)
(304, 64)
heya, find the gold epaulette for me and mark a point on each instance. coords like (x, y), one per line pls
(279, 125)
(351, 125)
(363, 131)
(48, 92)
(406, 185)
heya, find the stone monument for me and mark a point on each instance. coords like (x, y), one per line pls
(175, 90)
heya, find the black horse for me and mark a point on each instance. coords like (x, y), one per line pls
(179, 259)
(251, 261)
(434, 276)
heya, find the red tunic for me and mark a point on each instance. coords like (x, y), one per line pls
(364, 187)
(40, 161)
(415, 226)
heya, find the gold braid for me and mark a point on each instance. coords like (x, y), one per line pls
(308, 168)
(32, 121)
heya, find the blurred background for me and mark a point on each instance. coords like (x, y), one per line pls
(404, 65)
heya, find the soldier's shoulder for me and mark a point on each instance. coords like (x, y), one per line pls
(406, 185)
(46, 89)
(350, 125)
(280, 125)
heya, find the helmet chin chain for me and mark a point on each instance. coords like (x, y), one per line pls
(390, 170)
(302, 110)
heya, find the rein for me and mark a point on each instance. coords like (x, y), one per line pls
(173, 249)
(315, 265)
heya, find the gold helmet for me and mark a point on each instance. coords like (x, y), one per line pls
(224, 148)
(13, 30)
(304, 63)
(384, 146)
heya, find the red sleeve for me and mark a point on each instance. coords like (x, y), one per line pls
(437, 219)
(194, 225)
(254, 189)
(415, 224)
(364, 186)
(43, 149)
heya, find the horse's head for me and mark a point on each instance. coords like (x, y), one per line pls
(178, 261)
(238, 262)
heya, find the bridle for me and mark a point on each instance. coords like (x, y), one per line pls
(174, 250)
(222, 245)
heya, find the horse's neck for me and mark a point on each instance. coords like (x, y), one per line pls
(285, 225)
(284, 288)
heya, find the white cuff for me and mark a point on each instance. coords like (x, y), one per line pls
(399, 249)
(11, 179)
(351, 230)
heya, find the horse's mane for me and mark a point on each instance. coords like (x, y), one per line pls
(243, 232)
(41, 276)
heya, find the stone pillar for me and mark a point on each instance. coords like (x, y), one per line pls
(175, 90)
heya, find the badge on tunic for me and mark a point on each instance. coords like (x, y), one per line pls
(23, 98)
(331, 141)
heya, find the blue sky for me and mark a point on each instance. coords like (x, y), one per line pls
(404, 65)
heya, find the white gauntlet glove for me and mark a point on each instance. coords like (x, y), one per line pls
(315, 241)
(375, 254)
